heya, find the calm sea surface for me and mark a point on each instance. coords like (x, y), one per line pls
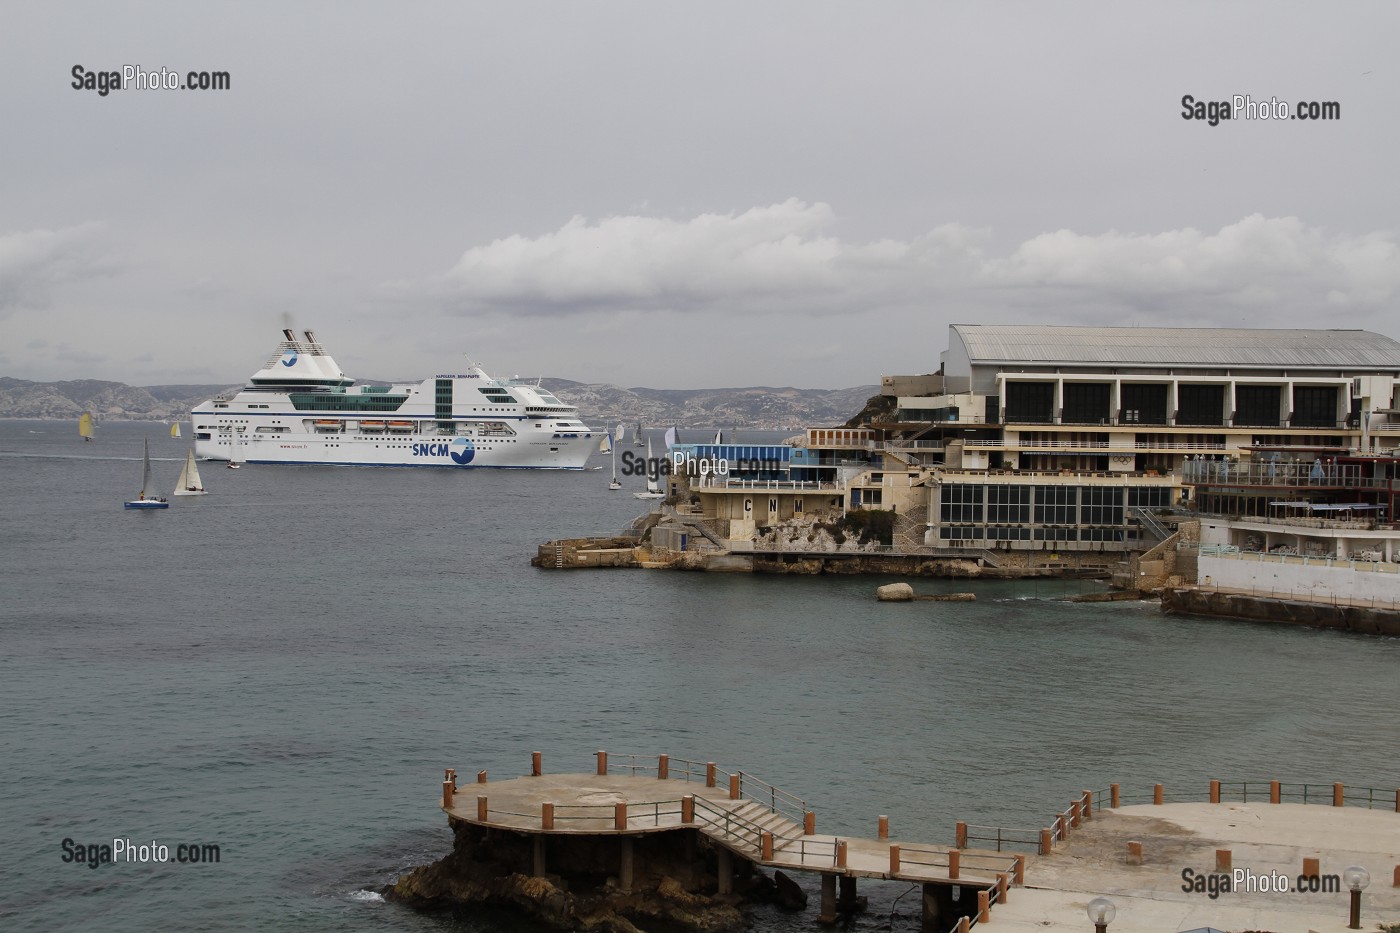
(285, 666)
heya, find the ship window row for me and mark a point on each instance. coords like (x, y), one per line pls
(356, 403)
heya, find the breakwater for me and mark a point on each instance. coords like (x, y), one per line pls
(1362, 620)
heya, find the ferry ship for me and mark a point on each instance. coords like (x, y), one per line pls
(300, 408)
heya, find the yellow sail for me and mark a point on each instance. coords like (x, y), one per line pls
(175, 429)
(85, 426)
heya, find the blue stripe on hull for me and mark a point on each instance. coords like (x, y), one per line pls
(437, 466)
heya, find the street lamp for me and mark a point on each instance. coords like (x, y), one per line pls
(1356, 879)
(1101, 913)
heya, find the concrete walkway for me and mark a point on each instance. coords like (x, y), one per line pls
(1262, 838)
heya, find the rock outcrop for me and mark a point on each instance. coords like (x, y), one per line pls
(486, 869)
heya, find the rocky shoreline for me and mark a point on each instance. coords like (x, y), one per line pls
(487, 869)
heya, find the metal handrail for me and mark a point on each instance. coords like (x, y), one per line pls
(1004, 837)
(790, 803)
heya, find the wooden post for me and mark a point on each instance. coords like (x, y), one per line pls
(1338, 795)
(840, 853)
(536, 764)
(602, 762)
(1310, 868)
(963, 925)
(1002, 884)
(688, 808)
(709, 774)
(1020, 872)
(1113, 796)
(766, 849)
(1134, 853)
(733, 787)
(537, 854)
(1223, 860)
(546, 816)
(1088, 811)
(983, 906)
(954, 863)
(960, 835)
(883, 830)
(809, 823)
(447, 790)
(1047, 841)
(481, 809)
(663, 767)
(1074, 814)
(619, 816)
(481, 777)
(1157, 794)
(1397, 877)
(1397, 800)
(1275, 792)
(1214, 791)
(894, 862)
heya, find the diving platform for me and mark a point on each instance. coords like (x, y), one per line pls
(746, 822)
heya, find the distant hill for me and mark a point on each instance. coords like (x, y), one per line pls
(759, 407)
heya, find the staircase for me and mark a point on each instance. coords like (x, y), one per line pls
(741, 829)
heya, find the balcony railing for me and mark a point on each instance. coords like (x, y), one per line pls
(1289, 474)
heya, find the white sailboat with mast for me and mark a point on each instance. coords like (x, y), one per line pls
(653, 481)
(612, 448)
(189, 483)
(146, 500)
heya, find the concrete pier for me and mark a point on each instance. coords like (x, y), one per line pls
(693, 834)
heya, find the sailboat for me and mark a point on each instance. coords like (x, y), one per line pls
(638, 441)
(653, 484)
(189, 483)
(146, 500)
(233, 463)
(612, 449)
(85, 426)
(175, 429)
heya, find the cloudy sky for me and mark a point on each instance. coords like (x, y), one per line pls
(679, 195)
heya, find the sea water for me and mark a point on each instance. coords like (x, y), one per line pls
(283, 668)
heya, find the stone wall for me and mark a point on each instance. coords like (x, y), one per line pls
(1192, 601)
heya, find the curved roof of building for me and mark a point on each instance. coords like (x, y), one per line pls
(1181, 346)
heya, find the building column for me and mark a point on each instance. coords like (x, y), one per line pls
(828, 908)
(848, 902)
(624, 872)
(538, 868)
(725, 870)
(1058, 406)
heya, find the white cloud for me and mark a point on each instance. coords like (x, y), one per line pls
(34, 262)
(785, 259)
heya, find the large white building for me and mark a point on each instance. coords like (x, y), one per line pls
(1042, 434)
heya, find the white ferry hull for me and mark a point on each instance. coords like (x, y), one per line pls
(411, 450)
(300, 408)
